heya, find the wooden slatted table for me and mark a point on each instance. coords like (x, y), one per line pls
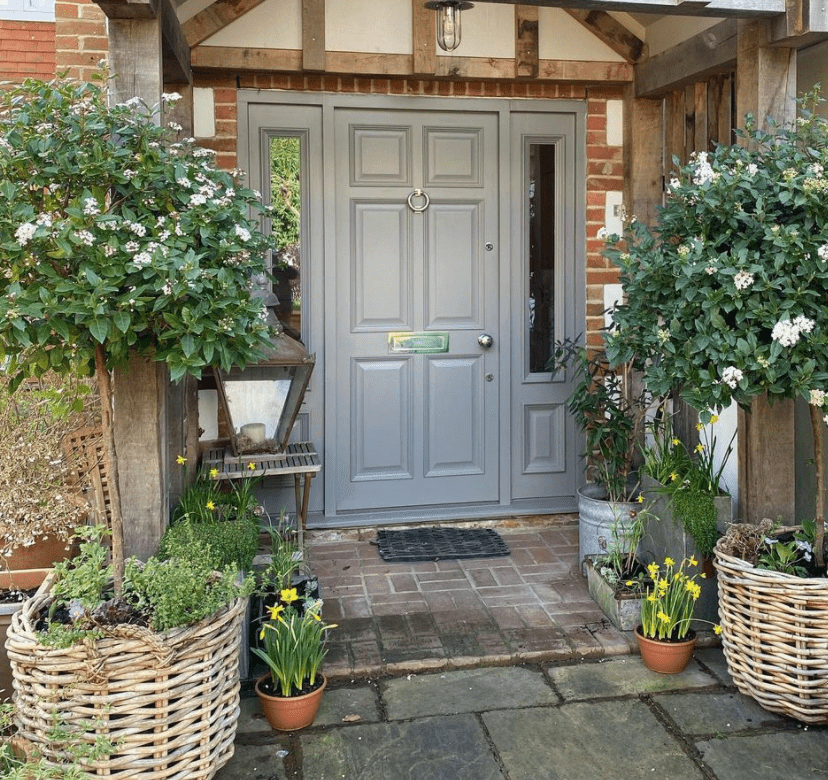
(299, 459)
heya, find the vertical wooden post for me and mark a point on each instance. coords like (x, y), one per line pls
(140, 391)
(643, 156)
(424, 39)
(765, 87)
(526, 41)
(313, 35)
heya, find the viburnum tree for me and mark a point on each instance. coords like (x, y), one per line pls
(726, 297)
(119, 238)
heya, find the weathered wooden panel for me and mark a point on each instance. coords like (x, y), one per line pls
(423, 31)
(526, 41)
(313, 35)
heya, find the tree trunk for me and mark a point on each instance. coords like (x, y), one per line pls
(111, 459)
(819, 520)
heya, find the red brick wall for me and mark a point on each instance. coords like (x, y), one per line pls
(604, 163)
(81, 40)
(27, 50)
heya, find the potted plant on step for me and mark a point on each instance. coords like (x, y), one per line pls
(664, 637)
(729, 295)
(611, 413)
(123, 242)
(616, 580)
(293, 649)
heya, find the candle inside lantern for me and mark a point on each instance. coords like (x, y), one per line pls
(255, 432)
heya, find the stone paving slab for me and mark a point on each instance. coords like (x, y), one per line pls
(467, 690)
(798, 755)
(622, 677)
(447, 748)
(586, 741)
(716, 712)
(346, 703)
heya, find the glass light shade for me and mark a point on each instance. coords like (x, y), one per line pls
(448, 22)
(261, 401)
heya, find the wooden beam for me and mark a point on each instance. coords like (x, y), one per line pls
(128, 9)
(366, 64)
(423, 39)
(737, 8)
(215, 17)
(527, 51)
(174, 47)
(701, 139)
(612, 33)
(313, 35)
(710, 52)
(135, 58)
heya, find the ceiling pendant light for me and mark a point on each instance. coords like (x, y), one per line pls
(448, 21)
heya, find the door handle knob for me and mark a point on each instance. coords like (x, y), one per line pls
(485, 340)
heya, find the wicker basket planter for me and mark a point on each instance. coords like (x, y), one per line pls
(775, 637)
(169, 701)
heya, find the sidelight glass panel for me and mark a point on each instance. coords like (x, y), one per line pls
(286, 229)
(540, 215)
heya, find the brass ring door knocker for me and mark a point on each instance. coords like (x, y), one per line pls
(418, 194)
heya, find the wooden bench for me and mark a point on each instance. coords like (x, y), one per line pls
(299, 459)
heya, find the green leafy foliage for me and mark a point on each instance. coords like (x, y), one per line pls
(115, 233)
(285, 190)
(225, 543)
(726, 297)
(181, 591)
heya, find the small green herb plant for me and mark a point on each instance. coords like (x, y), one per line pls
(294, 644)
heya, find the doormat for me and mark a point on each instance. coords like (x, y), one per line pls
(435, 544)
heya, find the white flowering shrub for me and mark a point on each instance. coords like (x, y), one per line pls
(727, 297)
(114, 233)
(118, 239)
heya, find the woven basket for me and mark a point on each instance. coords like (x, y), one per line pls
(775, 637)
(170, 702)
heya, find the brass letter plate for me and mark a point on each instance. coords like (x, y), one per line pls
(418, 343)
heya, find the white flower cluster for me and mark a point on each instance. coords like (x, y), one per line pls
(731, 376)
(710, 270)
(752, 169)
(817, 397)
(787, 332)
(170, 97)
(703, 171)
(25, 233)
(743, 280)
(85, 237)
(683, 251)
(243, 233)
(823, 252)
(142, 259)
(90, 207)
(663, 335)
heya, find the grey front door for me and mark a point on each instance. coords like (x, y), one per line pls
(417, 248)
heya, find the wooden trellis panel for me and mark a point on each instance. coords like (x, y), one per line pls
(84, 449)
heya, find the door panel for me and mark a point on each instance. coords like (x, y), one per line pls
(417, 429)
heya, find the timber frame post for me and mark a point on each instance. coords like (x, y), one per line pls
(765, 86)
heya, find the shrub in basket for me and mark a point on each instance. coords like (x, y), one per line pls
(120, 239)
(727, 299)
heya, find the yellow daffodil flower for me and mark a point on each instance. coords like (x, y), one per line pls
(652, 570)
(676, 442)
(663, 617)
(274, 611)
(214, 473)
(180, 460)
(692, 561)
(699, 448)
(251, 466)
(717, 630)
(674, 476)
(714, 418)
(640, 499)
(210, 505)
(651, 597)
(668, 561)
(699, 426)
(289, 596)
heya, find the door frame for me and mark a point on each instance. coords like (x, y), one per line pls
(325, 516)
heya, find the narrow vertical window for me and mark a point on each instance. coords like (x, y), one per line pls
(541, 245)
(286, 229)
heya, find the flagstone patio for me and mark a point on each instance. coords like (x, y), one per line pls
(395, 618)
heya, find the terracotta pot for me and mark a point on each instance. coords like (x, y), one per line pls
(42, 554)
(665, 657)
(290, 713)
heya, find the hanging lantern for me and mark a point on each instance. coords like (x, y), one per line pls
(448, 21)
